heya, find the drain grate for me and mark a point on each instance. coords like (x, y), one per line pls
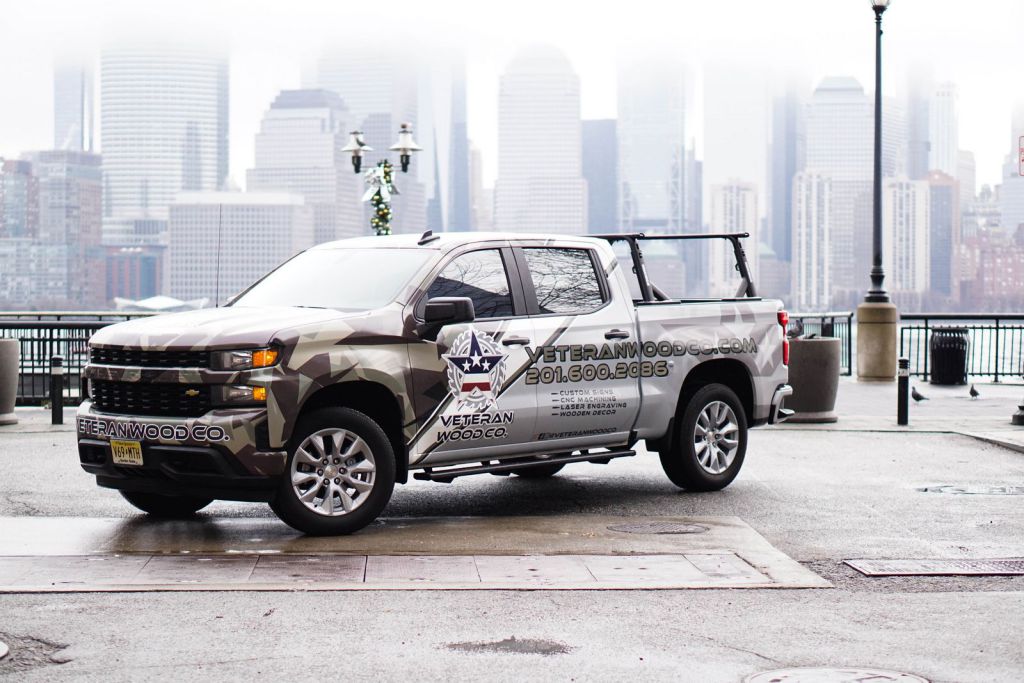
(976, 490)
(659, 528)
(832, 675)
(938, 567)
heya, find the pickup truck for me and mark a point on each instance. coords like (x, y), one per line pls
(359, 361)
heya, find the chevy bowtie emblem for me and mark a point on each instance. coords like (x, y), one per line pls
(192, 393)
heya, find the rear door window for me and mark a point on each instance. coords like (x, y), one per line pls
(564, 280)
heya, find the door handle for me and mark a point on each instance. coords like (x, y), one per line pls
(616, 334)
(515, 341)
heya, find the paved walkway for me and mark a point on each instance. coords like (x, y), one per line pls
(527, 552)
(871, 407)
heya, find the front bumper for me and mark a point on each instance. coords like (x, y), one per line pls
(222, 454)
(777, 413)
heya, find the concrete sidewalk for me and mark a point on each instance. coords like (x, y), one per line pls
(871, 407)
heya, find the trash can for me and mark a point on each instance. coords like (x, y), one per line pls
(948, 349)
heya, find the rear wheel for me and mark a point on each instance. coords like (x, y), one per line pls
(171, 507)
(340, 473)
(710, 442)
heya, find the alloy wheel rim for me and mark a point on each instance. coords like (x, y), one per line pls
(333, 472)
(716, 437)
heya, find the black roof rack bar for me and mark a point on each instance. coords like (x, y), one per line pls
(615, 237)
(638, 257)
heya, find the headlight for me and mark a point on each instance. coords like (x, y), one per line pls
(243, 394)
(245, 360)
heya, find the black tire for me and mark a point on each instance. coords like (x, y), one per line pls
(540, 471)
(169, 507)
(293, 512)
(681, 462)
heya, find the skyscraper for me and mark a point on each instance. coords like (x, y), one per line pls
(812, 249)
(379, 87)
(943, 233)
(70, 215)
(600, 170)
(19, 199)
(460, 215)
(733, 209)
(943, 127)
(652, 145)
(905, 230)
(919, 96)
(540, 185)
(966, 173)
(785, 160)
(839, 145)
(164, 115)
(222, 242)
(72, 105)
(298, 149)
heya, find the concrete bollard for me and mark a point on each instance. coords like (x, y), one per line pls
(814, 376)
(9, 352)
(57, 390)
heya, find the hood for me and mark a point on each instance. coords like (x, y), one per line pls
(214, 328)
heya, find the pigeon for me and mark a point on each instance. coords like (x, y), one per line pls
(974, 392)
(917, 396)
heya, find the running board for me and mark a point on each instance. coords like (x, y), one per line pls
(448, 474)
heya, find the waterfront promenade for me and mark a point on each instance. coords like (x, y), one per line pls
(133, 597)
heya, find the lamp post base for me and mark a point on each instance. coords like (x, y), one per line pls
(876, 342)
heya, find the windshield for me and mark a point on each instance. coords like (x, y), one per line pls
(345, 279)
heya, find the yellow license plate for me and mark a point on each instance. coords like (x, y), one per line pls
(126, 453)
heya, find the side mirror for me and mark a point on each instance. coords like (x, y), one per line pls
(445, 310)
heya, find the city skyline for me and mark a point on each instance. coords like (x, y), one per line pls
(273, 48)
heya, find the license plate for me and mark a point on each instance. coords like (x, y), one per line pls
(126, 453)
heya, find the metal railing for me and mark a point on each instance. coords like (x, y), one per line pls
(995, 342)
(832, 324)
(45, 334)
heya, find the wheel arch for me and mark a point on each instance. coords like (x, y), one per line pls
(727, 371)
(374, 400)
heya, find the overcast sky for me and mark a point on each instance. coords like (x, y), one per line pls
(735, 46)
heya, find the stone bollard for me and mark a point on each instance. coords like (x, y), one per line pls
(814, 376)
(9, 353)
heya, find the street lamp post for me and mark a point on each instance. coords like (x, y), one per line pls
(379, 178)
(877, 292)
(877, 317)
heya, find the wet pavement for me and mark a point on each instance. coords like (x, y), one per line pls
(807, 500)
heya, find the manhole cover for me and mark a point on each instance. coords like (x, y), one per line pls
(938, 567)
(832, 675)
(976, 490)
(659, 528)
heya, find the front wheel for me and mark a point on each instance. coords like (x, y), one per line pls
(340, 473)
(170, 507)
(710, 442)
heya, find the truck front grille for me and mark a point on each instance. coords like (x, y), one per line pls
(145, 398)
(117, 355)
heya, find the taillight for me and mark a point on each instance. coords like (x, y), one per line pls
(784, 321)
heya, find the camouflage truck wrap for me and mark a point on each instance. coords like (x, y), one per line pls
(361, 360)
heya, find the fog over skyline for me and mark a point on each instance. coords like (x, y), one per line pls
(736, 51)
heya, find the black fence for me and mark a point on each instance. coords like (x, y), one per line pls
(995, 348)
(48, 334)
(832, 324)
